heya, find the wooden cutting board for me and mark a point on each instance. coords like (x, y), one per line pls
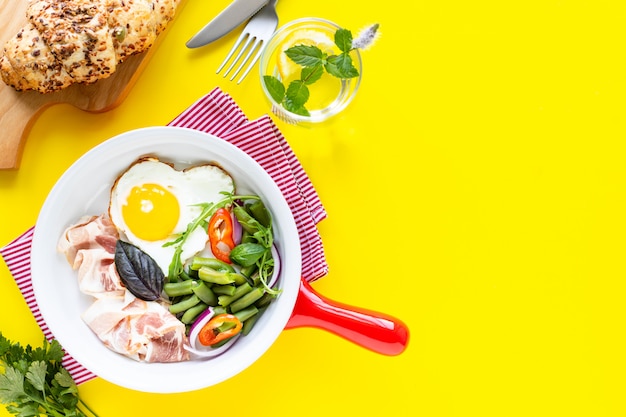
(19, 110)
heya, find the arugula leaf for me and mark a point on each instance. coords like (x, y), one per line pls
(257, 222)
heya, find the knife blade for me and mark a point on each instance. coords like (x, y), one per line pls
(231, 17)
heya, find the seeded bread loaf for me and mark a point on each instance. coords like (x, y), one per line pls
(80, 41)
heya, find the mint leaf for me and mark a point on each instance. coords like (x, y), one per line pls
(311, 74)
(297, 93)
(343, 40)
(314, 62)
(300, 110)
(341, 66)
(36, 375)
(275, 88)
(305, 55)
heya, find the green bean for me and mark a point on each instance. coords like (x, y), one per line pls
(184, 304)
(246, 313)
(190, 315)
(240, 291)
(204, 293)
(247, 237)
(219, 310)
(223, 289)
(212, 263)
(247, 300)
(248, 271)
(186, 276)
(216, 277)
(260, 213)
(249, 324)
(221, 343)
(174, 289)
(265, 300)
(248, 223)
(192, 273)
(226, 326)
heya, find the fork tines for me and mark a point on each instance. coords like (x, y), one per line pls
(252, 44)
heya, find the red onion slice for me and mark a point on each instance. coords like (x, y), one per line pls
(196, 348)
(237, 229)
(276, 271)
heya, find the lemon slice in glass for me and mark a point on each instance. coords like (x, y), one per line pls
(325, 90)
(288, 69)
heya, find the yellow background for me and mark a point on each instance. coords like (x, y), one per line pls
(476, 189)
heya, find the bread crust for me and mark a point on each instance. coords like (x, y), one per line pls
(80, 41)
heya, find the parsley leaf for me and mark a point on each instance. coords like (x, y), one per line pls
(33, 381)
(11, 385)
(36, 375)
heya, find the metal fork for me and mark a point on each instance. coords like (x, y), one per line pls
(257, 32)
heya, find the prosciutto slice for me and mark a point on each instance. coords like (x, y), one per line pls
(142, 330)
(89, 246)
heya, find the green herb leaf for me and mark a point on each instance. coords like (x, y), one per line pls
(315, 61)
(296, 109)
(341, 66)
(306, 55)
(141, 275)
(275, 88)
(36, 375)
(297, 93)
(311, 74)
(259, 212)
(343, 40)
(64, 379)
(34, 382)
(246, 254)
(11, 385)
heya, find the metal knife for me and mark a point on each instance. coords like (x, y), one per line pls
(231, 17)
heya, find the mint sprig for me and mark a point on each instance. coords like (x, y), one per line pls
(314, 62)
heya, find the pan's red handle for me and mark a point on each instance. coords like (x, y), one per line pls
(378, 332)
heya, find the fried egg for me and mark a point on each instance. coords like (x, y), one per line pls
(152, 203)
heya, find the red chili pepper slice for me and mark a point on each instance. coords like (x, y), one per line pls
(221, 234)
(211, 334)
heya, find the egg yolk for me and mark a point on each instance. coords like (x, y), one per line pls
(151, 212)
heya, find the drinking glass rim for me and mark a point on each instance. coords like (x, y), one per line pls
(267, 52)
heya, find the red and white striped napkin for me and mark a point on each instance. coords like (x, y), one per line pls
(217, 114)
